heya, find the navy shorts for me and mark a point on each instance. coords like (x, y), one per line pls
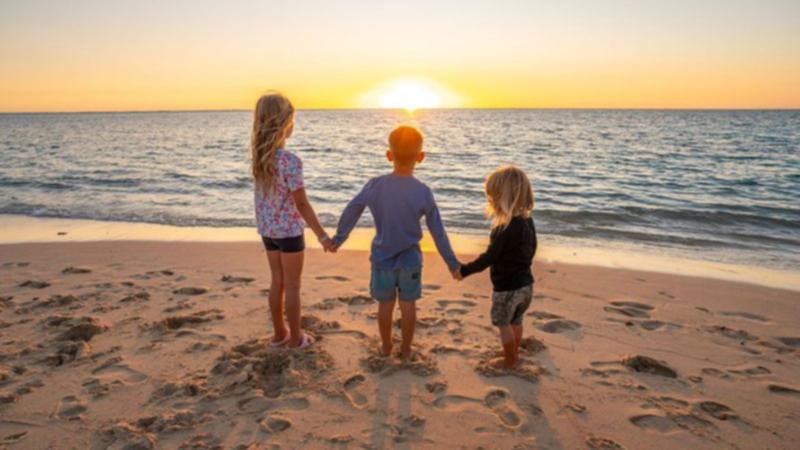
(285, 245)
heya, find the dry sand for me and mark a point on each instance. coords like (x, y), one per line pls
(164, 345)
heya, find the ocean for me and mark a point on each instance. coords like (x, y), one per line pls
(711, 185)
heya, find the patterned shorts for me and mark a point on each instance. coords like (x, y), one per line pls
(508, 307)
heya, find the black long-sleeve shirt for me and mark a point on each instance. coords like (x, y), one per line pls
(510, 254)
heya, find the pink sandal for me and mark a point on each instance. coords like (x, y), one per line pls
(280, 343)
(305, 342)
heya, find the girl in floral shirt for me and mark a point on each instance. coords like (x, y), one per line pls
(282, 210)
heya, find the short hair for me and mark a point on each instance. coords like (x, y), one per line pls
(405, 142)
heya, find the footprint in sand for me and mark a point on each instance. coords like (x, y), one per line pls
(338, 278)
(739, 335)
(190, 290)
(653, 422)
(646, 364)
(275, 423)
(255, 404)
(648, 325)
(34, 284)
(558, 326)
(671, 422)
(544, 315)
(431, 287)
(716, 410)
(436, 387)
(138, 297)
(353, 390)
(408, 429)
(783, 390)
(13, 438)
(98, 388)
(601, 443)
(200, 317)
(456, 311)
(451, 402)
(630, 309)
(83, 331)
(714, 372)
(653, 325)
(116, 366)
(498, 401)
(350, 300)
(8, 398)
(429, 322)
(745, 315)
(75, 271)
(790, 341)
(235, 279)
(443, 304)
(260, 403)
(70, 408)
(750, 371)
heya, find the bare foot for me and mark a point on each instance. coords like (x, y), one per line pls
(406, 354)
(386, 350)
(500, 363)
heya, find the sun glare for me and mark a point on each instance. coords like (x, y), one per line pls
(410, 94)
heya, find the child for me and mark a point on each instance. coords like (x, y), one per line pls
(397, 202)
(281, 207)
(510, 254)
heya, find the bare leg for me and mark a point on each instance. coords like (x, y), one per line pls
(517, 334)
(385, 310)
(408, 320)
(292, 264)
(509, 342)
(276, 296)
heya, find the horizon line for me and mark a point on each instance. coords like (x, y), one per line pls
(493, 108)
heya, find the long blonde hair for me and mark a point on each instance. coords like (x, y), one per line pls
(272, 118)
(509, 194)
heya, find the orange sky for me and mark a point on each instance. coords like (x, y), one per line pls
(144, 55)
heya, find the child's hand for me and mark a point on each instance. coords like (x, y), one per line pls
(456, 273)
(329, 246)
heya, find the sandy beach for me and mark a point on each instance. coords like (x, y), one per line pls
(164, 345)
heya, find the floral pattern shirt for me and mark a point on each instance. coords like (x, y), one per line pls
(276, 214)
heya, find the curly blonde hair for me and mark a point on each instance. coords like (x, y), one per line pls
(272, 119)
(509, 194)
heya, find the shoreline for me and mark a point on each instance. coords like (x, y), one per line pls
(16, 229)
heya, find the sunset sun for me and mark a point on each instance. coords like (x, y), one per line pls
(410, 94)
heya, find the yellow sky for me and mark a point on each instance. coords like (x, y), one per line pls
(145, 55)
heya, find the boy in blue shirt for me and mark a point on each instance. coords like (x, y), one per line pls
(397, 202)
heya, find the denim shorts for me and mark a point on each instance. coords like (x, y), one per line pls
(386, 285)
(285, 245)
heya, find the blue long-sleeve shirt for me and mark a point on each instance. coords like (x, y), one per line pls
(397, 204)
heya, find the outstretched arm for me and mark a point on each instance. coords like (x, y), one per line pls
(434, 223)
(352, 212)
(487, 258)
(307, 211)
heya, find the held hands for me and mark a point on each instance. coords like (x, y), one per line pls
(456, 273)
(327, 244)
